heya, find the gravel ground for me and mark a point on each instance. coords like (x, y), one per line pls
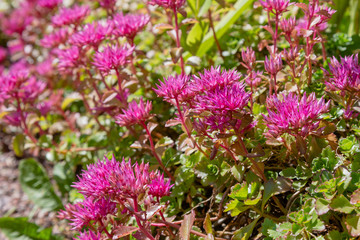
(15, 203)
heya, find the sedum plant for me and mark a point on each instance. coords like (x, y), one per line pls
(232, 119)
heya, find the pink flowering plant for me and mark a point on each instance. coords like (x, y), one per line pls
(174, 119)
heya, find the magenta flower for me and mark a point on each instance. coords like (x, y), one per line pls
(17, 21)
(116, 179)
(81, 214)
(172, 87)
(20, 86)
(248, 56)
(273, 65)
(275, 6)
(69, 59)
(345, 75)
(294, 115)
(170, 4)
(112, 57)
(55, 39)
(129, 25)
(135, 114)
(45, 68)
(254, 79)
(288, 26)
(229, 98)
(214, 78)
(15, 118)
(89, 235)
(291, 54)
(50, 4)
(159, 187)
(67, 16)
(91, 34)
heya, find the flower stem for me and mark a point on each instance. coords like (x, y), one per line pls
(178, 40)
(143, 124)
(141, 227)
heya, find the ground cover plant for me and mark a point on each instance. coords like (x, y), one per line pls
(174, 119)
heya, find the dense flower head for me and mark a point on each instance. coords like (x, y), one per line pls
(275, 6)
(159, 187)
(136, 113)
(15, 118)
(67, 16)
(119, 180)
(248, 56)
(172, 87)
(345, 75)
(17, 21)
(82, 213)
(170, 4)
(112, 57)
(91, 34)
(89, 235)
(129, 25)
(294, 115)
(273, 65)
(55, 39)
(68, 58)
(214, 78)
(19, 85)
(290, 55)
(49, 3)
(229, 98)
(288, 25)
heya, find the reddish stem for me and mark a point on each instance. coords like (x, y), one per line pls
(178, 40)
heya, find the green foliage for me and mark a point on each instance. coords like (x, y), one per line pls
(21, 229)
(37, 186)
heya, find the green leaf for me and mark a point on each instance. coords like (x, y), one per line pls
(341, 204)
(266, 226)
(271, 188)
(347, 144)
(238, 172)
(18, 144)
(21, 229)
(36, 184)
(208, 225)
(223, 26)
(204, 8)
(64, 176)
(353, 225)
(236, 207)
(70, 99)
(245, 232)
(328, 160)
(322, 206)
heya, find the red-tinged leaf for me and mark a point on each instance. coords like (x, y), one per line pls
(303, 6)
(151, 126)
(182, 12)
(172, 122)
(108, 96)
(269, 29)
(306, 33)
(189, 21)
(355, 197)
(162, 27)
(153, 210)
(122, 231)
(256, 170)
(324, 13)
(315, 21)
(257, 152)
(176, 53)
(301, 144)
(186, 226)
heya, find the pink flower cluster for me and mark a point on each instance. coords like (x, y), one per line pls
(110, 185)
(294, 115)
(67, 16)
(169, 4)
(216, 94)
(135, 113)
(129, 25)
